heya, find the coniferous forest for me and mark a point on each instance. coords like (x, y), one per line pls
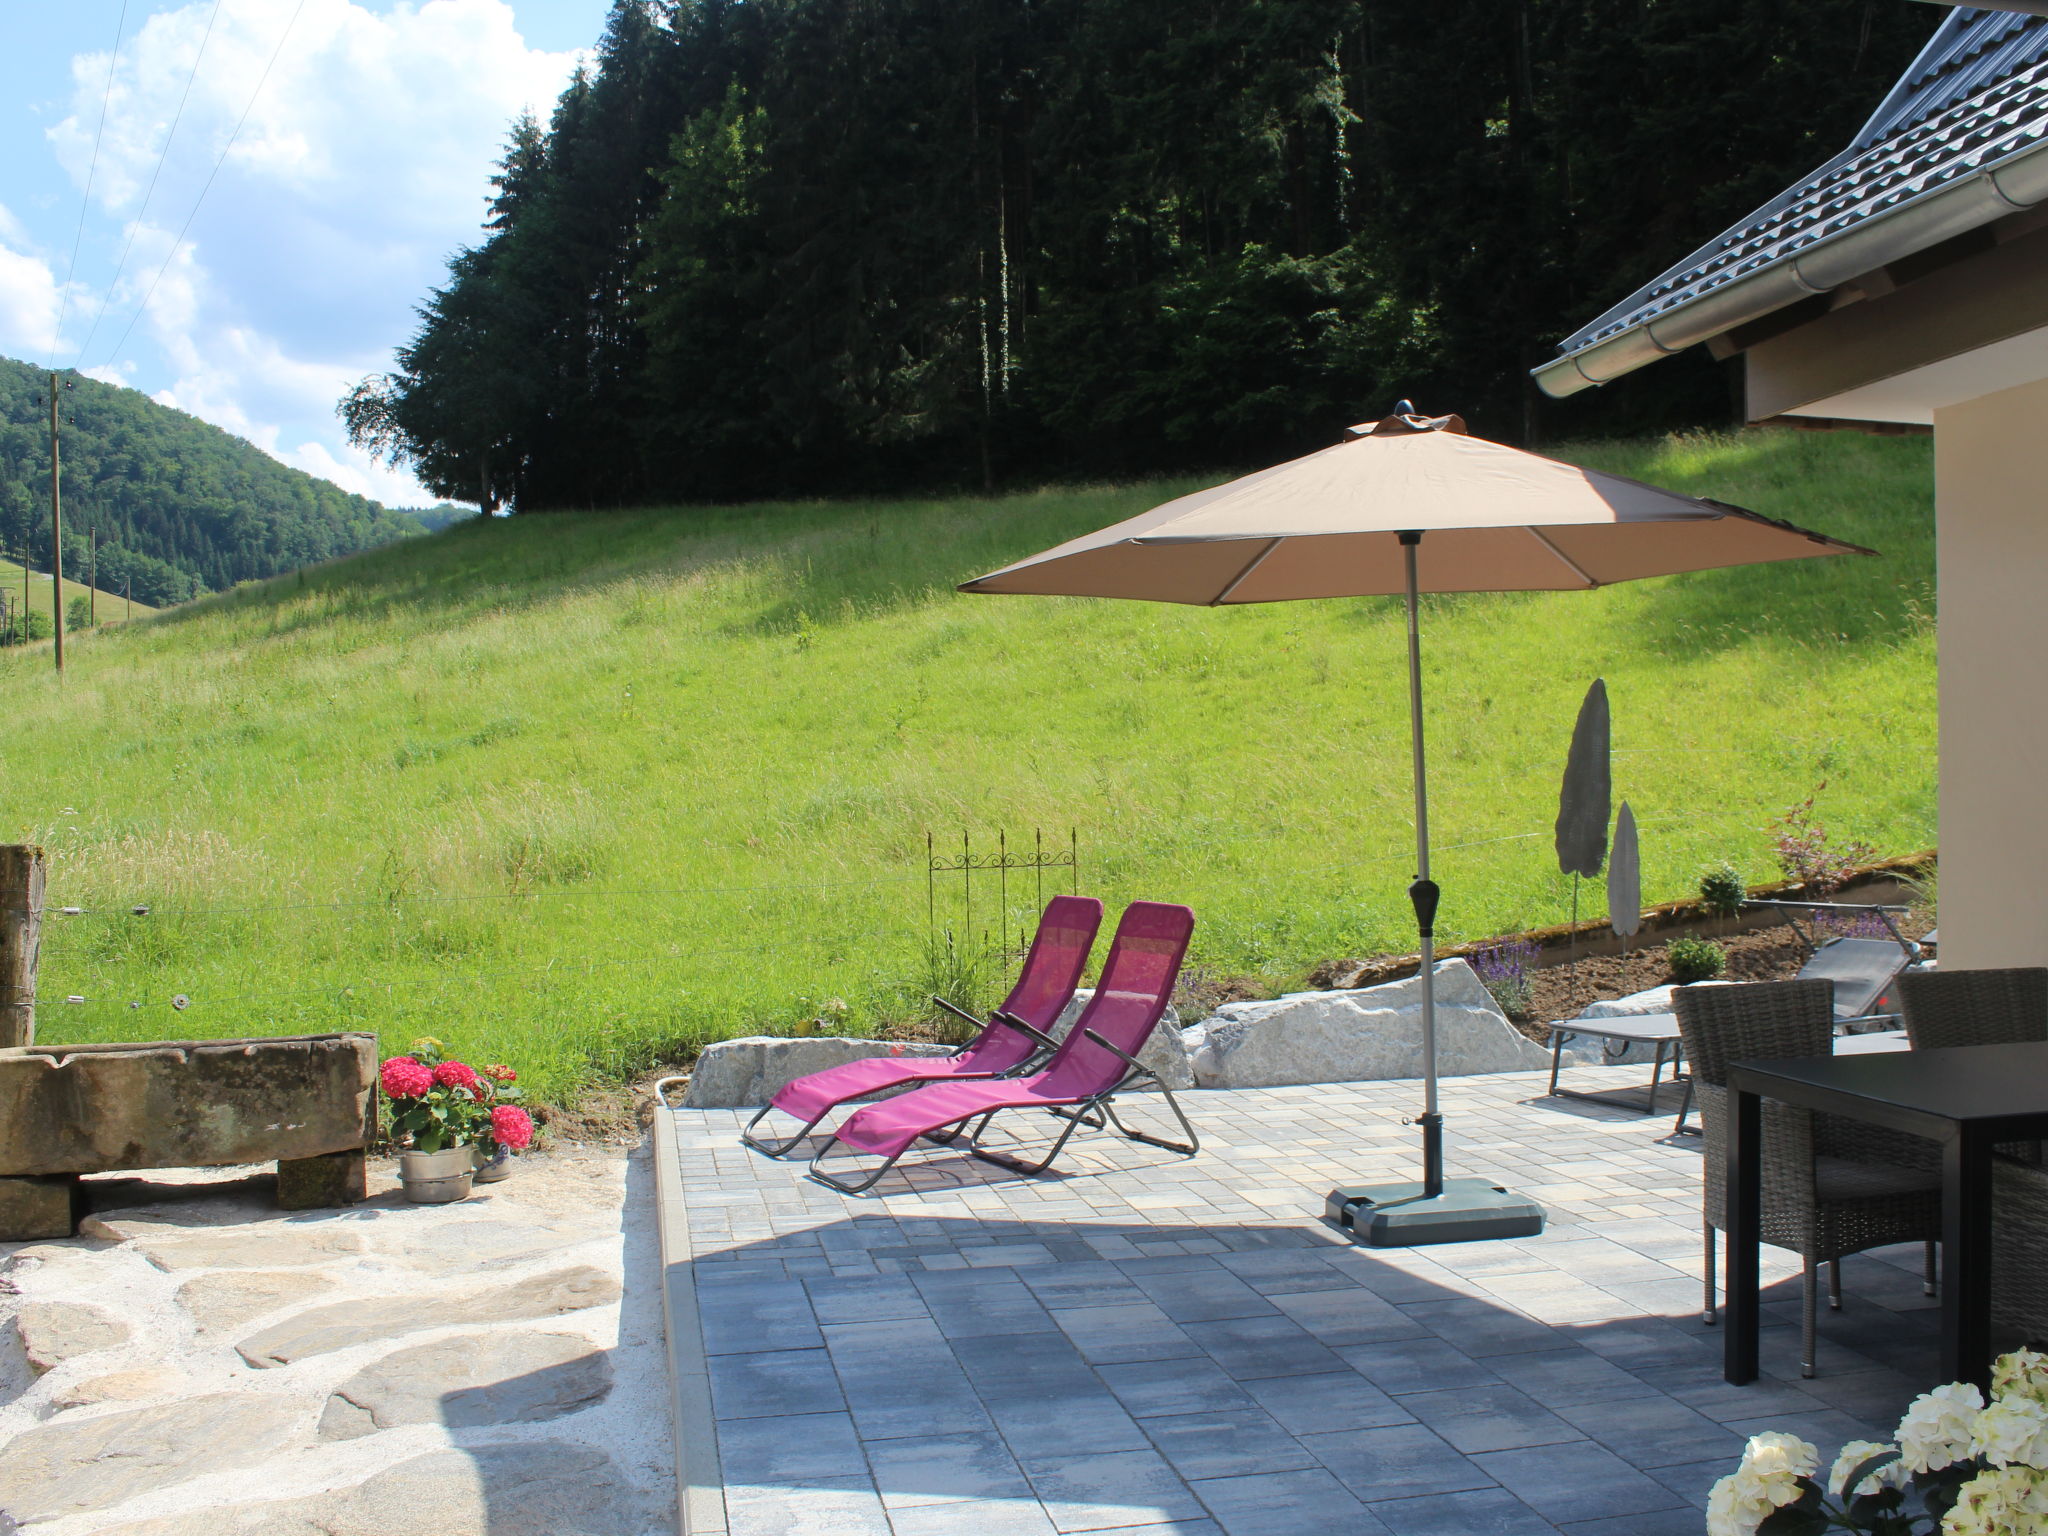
(181, 506)
(774, 247)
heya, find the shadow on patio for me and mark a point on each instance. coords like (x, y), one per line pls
(1075, 1354)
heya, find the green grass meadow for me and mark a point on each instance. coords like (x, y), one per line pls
(580, 792)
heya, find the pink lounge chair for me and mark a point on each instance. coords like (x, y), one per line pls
(1014, 1033)
(1098, 1058)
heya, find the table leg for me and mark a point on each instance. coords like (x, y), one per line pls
(1557, 1040)
(1966, 1259)
(1745, 1233)
(1656, 1072)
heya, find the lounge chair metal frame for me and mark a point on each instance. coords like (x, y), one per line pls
(1096, 1112)
(789, 1143)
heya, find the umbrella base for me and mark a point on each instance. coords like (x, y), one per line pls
(1397, 1215)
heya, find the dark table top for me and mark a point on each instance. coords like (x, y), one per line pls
(1963, 1084)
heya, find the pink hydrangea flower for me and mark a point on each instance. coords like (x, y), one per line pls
(405, 1078)
(511, 1127)
(455, 1074)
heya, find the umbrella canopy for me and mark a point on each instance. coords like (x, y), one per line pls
(1494, 519)
(1410, 504)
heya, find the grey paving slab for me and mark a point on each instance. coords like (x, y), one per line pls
(1092, 1493)
(1416, 1365)
(1227, 1444)
(945, 1469)
(1286, 1504)
(1494, 1418)
(1327, 1400)
(794, 1448)
(1149, 1388)
(1580, 1481)
(1135, 1330)
(1481, 1512)
(1144, 1343)
(773, 1384)
(847, 1507)
(1399, 1461)
(1006, 1517)
(1654, 1432)
(1252, 1347)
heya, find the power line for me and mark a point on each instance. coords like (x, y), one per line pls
(85, 203)
(163, 155)
(186, 227)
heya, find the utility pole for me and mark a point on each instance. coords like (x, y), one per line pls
(92, 580)
(128, 592)
(56, 535)
(24, 590)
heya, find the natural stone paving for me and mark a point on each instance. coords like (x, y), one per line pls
(1178, 1347)
(196, 1363)
(470, 1379)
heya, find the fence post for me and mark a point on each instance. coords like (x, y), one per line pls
(21, 923)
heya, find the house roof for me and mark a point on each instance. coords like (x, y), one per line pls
(1954, 145)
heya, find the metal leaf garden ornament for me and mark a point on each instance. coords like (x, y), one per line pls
(1625, 883)
(1584, 802)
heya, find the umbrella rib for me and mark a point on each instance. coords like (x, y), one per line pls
(1249, 566)
(1568, 562)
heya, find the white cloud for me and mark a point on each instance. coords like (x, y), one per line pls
(362, 166)
(29, 296)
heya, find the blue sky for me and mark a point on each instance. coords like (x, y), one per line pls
(361, 165)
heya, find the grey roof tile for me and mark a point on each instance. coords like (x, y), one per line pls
(1977, 95)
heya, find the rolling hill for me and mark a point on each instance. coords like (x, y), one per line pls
(580, 791)
(182, 507)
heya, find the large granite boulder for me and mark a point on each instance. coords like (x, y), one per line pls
(737, 1074)
(1358, 1036)
(1165, 1052)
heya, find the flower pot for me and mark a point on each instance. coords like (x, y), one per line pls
(496, 1166)
(437, 1178)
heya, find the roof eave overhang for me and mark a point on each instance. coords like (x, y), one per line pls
(2016, 183)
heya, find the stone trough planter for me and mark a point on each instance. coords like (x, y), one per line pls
(306, 1101)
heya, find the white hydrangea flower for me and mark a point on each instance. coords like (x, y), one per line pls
(2023, 1373)
(2000, 1501)
(2012, 1429)
(1736, 1507)
(1936, 1430)
(1772, 1465)
(1892, 1474)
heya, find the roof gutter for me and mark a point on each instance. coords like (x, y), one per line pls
(2014, 184)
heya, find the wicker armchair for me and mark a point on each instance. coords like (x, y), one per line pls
(1830, 1186)
(2019, 1254)
(1996, 1007)
(1947, 1008)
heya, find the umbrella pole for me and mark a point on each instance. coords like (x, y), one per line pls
(1423, 893)
(1406, 1215)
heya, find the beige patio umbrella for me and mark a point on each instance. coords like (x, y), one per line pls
(1406, 505)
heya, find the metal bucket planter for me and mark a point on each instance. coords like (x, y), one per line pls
(437, 1178)
(494, 1167)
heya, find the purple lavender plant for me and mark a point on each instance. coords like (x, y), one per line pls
(1848, 925)
(1503, 967)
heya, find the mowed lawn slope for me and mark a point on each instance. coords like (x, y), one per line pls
(578, 792)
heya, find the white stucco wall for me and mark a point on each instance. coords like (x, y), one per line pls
(1991, 550)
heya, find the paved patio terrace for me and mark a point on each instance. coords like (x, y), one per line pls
(1150, 1345)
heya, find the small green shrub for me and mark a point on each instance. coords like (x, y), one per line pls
(1695, 959)
(1722, 891)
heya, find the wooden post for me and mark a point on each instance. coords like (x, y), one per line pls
(21, 924)
(56, 545)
